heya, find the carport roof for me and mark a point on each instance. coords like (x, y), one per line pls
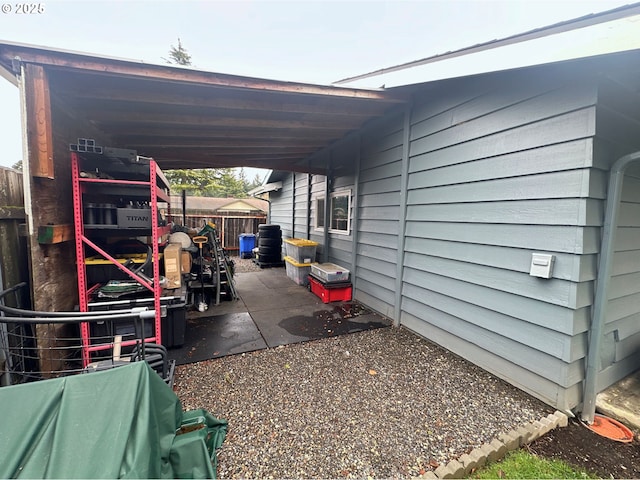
(186, 118)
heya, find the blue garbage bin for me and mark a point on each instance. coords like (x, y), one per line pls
(247, 244)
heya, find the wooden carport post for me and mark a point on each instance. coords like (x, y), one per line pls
(38, 162)
(37, 102)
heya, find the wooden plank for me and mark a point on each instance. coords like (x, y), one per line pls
(571, 126)
(555, 238)
(12, 213)
(570, 211)
(109, 66)
(38, 118)
(48, 234)
(123, 92)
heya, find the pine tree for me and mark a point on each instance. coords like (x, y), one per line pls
(178, 55)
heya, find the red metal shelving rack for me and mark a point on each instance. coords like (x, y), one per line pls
(156, 192)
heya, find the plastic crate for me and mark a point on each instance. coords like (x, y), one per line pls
(330, 292)
(298, 272)
(330, 272)
(300, 250)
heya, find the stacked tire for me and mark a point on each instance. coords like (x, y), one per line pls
(269, 244)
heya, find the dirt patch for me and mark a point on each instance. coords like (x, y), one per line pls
(579, 446)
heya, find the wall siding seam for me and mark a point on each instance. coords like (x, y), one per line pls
(404, 182)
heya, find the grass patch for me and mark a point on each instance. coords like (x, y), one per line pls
(522, 464)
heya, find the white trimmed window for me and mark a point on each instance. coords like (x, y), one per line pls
(319, 206)
(340, 212)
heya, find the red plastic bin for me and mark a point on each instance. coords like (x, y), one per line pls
(328, 292)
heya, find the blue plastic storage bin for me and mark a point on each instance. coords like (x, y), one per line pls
(247, 244)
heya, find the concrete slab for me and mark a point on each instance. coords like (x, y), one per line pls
(272, 311)
(218, 336)
(622, 401)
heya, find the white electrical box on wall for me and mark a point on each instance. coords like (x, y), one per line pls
(542, 265)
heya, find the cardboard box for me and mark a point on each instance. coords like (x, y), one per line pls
(186, 262)
(172, 265)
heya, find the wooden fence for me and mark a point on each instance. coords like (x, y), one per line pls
(14, 266)
(229, 227)
(13, 248)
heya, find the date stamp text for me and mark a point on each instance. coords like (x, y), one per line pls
(23, 8)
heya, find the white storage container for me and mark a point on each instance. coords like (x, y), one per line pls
(330, 272)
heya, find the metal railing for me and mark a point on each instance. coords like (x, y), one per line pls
(39, 345)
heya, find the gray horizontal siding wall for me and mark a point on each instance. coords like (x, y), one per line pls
(497, 169)
(497, 172)
(301, 205)
(317, 235)
(343, 162)
(378, 215)
(281, 207)
(618, 133)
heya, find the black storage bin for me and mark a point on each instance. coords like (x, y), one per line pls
(101, 332)
(174, 325)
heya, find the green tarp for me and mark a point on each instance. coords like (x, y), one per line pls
(120, 423)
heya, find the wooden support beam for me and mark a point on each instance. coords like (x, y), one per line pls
(48, 234)
(12, 213)
(38, 111)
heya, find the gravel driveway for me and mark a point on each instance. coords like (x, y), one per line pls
(381, 403)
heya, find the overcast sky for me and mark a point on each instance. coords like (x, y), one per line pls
(306, 41)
